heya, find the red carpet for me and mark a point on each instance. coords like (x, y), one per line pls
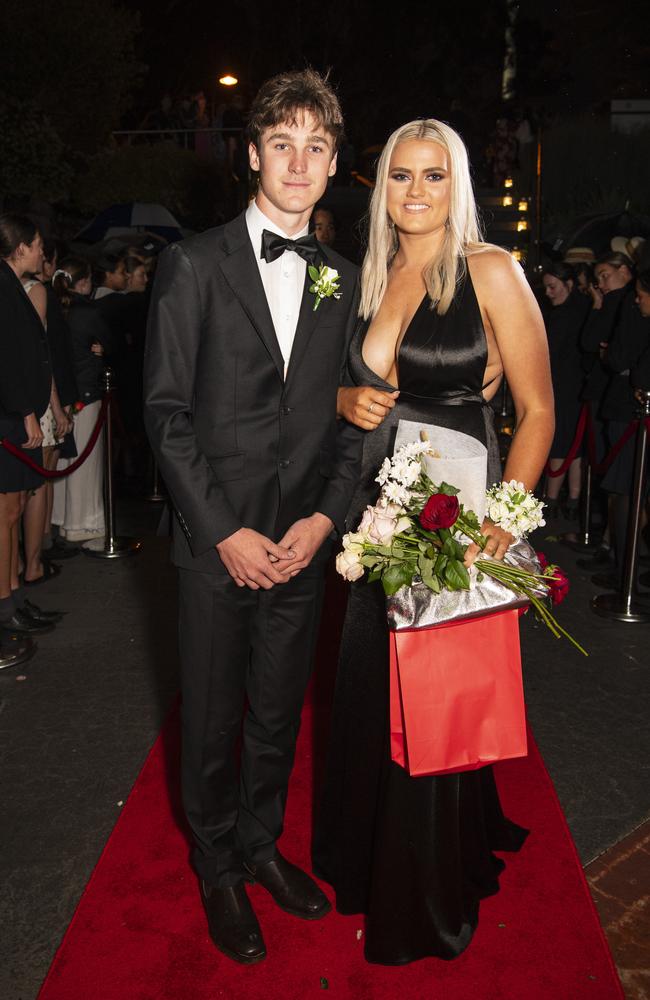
(139, 932)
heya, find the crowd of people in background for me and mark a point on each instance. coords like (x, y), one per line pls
(72, 314)
(65, 316)
(598, 326)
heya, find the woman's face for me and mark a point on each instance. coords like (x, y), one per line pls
(610, 278)
(324, 229)
(116, 280)
(419, 187)
(29, 256)
(48, 268)
(83, 286)
(556, 291)
(137, 280)
(643, 300)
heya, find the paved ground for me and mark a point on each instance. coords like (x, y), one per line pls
(77, 721)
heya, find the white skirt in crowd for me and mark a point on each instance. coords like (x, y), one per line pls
(78, 507)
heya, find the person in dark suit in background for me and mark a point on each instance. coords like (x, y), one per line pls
(244, 355)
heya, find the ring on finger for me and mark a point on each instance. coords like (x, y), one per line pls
(371, 407)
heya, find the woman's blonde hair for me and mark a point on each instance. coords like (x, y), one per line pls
(462, 231)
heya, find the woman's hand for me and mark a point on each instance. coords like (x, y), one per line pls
(596, 296)
(498, 543)
(63, 423)
(33, 431)
(364, 406)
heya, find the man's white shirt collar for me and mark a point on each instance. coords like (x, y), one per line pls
(256, 221)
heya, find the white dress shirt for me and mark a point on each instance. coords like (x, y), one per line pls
(283, 279)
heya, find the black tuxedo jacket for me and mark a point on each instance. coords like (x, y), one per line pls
(236, 443)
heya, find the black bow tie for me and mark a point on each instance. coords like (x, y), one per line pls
(273, 246)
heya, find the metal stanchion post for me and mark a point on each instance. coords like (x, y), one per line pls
(156, 495)
(623, 606)
(112, 546)
(582, 540)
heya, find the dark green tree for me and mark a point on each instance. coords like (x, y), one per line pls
(74, 61)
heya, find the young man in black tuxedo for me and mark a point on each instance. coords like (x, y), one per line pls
(241, 377)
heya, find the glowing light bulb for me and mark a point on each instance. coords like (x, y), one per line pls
(228, 80)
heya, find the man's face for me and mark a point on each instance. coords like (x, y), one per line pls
(294, 161)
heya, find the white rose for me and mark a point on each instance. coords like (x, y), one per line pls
(329, 274)
(348, 565)
(353, 541)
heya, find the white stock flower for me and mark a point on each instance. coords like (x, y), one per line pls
(384, 472)
(514, 508)
(406, 472)
(397, 494)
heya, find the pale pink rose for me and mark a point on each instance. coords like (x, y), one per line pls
(348, 565)
(379, 524)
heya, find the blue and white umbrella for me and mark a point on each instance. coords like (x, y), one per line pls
(136, 216)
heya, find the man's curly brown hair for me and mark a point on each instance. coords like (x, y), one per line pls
(283, 97)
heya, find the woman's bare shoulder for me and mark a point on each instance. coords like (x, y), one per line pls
(495, 270)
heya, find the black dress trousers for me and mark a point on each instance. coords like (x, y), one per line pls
(239, 645)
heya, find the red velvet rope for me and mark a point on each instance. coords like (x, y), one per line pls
(22, 455)
(585, 424)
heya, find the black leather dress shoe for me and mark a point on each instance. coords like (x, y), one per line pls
(292, 888)
(21, 623)
(234, 928)
(39, 614)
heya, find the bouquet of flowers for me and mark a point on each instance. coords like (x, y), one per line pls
(419, 531)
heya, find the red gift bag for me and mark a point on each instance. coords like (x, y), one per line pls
(456, 695)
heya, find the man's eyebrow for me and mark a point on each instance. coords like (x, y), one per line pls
(287, 137)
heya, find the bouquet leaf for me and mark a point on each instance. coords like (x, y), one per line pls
(396, 576)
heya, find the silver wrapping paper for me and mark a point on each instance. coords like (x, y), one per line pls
(418, 607)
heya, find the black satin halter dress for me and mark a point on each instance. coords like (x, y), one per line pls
(413, 854)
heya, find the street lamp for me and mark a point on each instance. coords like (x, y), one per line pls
(228, 80)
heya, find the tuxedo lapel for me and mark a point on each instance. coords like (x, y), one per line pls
(241, 271)
(308, 319)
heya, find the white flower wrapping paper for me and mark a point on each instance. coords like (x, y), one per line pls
(460, 460)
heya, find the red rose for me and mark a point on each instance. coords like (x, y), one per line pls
(557, 582)
(559, 586)
(440, 511)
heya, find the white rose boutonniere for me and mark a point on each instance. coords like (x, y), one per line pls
(325, 283)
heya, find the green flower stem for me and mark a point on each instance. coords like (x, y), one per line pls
(520, 583)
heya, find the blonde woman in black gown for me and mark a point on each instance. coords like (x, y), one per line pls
(443, 318)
